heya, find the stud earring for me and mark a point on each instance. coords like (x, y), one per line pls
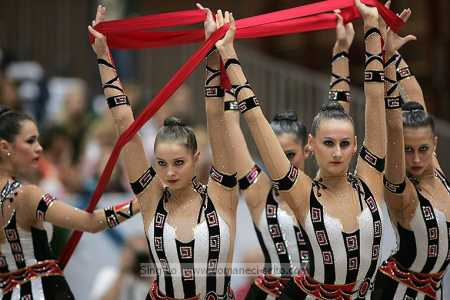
(8, 154)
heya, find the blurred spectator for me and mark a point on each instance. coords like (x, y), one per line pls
(99, 145)
(129, 282)
(59, 175)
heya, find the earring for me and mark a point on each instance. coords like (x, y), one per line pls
(8, 154)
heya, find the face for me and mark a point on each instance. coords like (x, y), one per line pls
(420, 143)
(333, 146)
(295, 151)
(26, 150)
(175, 164)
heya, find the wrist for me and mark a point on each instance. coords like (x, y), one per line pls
(338, 47)
(227, 52)
(371, 21)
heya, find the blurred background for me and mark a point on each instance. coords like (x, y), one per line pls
(48, 70)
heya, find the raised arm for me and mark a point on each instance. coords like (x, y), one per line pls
(253, 183)
(44, 207)
(284, 174)
(395, 173)
(374, 147)
(137, 165)
(340, 72)
(223, 163)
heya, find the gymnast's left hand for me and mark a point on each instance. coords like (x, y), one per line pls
(210, 23)
(228, 39)
(100, 46)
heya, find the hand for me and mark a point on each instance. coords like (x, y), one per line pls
(344, 33)
(99, 46)
(221, 20)
(393, 41)
(210, 23)
(367, 13)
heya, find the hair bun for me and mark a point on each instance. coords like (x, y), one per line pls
(412, 106)
(286, 116)
(332, 106)
(173, 121)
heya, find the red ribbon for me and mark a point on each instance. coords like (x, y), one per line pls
(132, 33)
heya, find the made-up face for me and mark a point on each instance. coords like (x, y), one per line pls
(420, 144)
(175, 164)
(333, 146)
(295, 151)
(26, 149)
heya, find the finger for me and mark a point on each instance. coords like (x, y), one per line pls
(406, 13)
(220, 17)
(232, 22)
(337, 11)
(217, 21)
(409, 38)
(227, 17)
(199, 6)
(94, 32)
(388, 4)
(340, 20)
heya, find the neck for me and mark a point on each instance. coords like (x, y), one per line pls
(6, 171)
(332, 181)
(183, 195)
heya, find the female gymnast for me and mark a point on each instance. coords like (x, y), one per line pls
(338, 212)
(273, 220)
(417, 191)
(28, 267)
(190, 227)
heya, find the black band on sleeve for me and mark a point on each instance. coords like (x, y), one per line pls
(139, 185)
(344, 96)
(393, 102)
(403, 73)
(214, 91)
(373, 76)
(247, 104)
(228, 181)
(230, 105)
(43, 205)
(246, 181)
(231, 61)
(117, 100)
(393, 187)
(373, 160)
(288, 181)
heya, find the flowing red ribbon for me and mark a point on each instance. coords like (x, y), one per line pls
(133, 33)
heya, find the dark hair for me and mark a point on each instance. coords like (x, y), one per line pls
(287, 122)
(330, 111)
(10, 123)
(415, 116)
(175, 130)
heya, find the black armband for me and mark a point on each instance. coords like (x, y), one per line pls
(247, 104)
(344, 96)
(43, 205)
(373, 76)
(393, 187)
(395, 59)
(371, 31)
(214, 91)
(231, 61)
(288, 181)
(228, 181)
(212, 76)
(117, 100)
(371, 57)
(230, 105)
(238, 88)
(101, 61)
(111, 217)
(338, 56)
(139, 185)
(393, 102)
(246, 181)
(403, 73)
(335, 79)
(373, 160)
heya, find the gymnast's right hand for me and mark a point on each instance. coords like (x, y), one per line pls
(99, 46)
(228, 39)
